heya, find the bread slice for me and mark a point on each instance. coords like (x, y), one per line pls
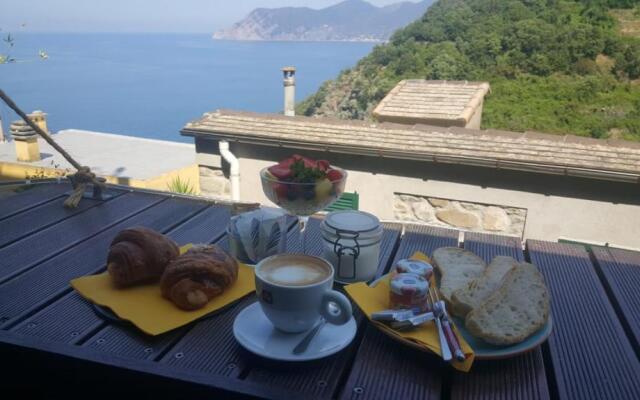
(457, 267)
(518, 309)
(475, 292)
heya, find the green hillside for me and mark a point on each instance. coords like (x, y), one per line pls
(554, 66)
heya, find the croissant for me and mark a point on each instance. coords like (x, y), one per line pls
(197, 276)
(139, 255)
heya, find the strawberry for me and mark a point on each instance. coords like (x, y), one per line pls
(334, 175)
(287, 162)
(280, 171)
(308, 162)
(323, 165)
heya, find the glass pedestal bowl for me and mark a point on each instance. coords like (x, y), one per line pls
(303, 199)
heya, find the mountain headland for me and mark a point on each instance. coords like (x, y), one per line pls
(350, 20)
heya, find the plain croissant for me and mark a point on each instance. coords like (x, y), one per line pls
(139, 255)
(197, 276)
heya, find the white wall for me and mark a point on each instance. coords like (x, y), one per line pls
(557, 206)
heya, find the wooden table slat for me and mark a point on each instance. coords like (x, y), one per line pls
(62, 370)
(384, 369)
(522, 377)
(488, 246)
(388, 247)
(28, 252)
(129, 342)
(31, 196)
(590, 354)
(37, 287)
(621, 272)
(425, 239)
(41, 217)
(210, 347)
(67, 320)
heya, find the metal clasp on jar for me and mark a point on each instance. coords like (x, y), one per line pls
(339, 249)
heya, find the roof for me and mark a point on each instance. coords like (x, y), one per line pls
(109, 154)
(530, 151)
(432, 102)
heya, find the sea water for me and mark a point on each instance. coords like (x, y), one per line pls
(151, 85)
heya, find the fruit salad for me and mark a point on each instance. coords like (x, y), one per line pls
(303, 186)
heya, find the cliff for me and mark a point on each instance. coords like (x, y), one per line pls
(350, 20)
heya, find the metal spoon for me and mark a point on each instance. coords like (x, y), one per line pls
(304, 343)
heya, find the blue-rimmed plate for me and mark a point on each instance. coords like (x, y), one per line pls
(482, 349)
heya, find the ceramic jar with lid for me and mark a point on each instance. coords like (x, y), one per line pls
(351, 243)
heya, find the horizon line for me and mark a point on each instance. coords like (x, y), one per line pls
(105, 32)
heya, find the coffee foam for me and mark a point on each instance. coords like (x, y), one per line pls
(294, 273)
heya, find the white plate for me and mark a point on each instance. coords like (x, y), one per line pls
(255, 333)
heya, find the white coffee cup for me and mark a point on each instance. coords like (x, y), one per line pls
(296, 290)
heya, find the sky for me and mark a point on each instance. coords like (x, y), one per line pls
(188, 16)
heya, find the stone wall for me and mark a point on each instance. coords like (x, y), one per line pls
(213, 183)
(464, 215)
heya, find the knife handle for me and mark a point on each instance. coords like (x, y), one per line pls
(454, 344)
(444, 346)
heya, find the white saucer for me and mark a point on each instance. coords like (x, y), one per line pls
(255, 333)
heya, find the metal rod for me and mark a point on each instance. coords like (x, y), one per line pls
(1, 131)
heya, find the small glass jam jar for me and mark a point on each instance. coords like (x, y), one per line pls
(351, 243)
(408, 291)
(417, 267)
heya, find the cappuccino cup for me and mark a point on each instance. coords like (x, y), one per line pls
(296, 290)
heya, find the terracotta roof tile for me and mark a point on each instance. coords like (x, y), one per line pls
(529, 151)
(416, 101)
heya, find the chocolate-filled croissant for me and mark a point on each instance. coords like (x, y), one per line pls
(139, 255)
(197, 276)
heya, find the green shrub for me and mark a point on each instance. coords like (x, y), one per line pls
(177, 185)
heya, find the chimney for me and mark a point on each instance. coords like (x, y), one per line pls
(27, 147)
(289, 91)
(40, 119)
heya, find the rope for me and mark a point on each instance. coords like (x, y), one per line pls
(81, 178)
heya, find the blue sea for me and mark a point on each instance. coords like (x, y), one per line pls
(150, 85)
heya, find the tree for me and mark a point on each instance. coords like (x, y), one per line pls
(554, 65)
(9, 42)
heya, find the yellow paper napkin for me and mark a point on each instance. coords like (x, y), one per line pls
(144, 305)
(373, 299)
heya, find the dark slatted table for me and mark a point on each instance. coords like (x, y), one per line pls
(53, 343)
